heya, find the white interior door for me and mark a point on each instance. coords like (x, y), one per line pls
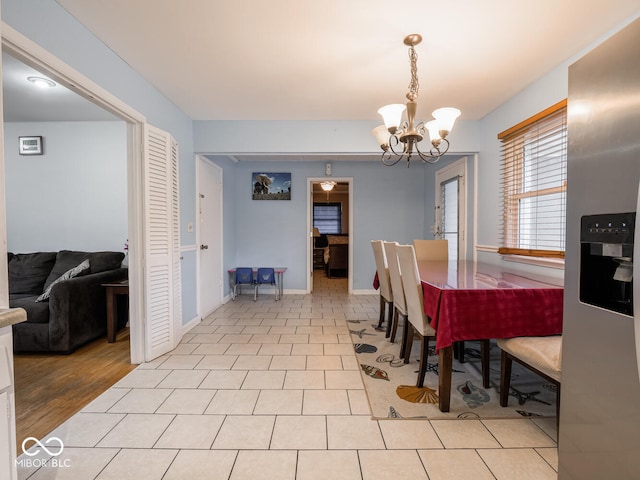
(210, 278)
(163, 307)
(451, 207)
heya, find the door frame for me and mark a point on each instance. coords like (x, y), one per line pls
(32, 54)
(309, 269)
(454, 169)
(220, 250)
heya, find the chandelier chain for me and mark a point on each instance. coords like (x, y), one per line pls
(414, 85)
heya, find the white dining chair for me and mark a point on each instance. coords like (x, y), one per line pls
(399, 302)
(542, 355)
(433, 250)
(418, 321)
(386, 295)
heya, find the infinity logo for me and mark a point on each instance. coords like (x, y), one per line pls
(39, 443)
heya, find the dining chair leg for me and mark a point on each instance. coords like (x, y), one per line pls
(394, 328)
(558, 406)
(485, 350)
(389, 320)
(383, 306)
(458, 351)
(405, 334)
(505, 378)
(408, 342)
(424, 356)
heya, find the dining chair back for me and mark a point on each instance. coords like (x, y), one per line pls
(265, 276)
(384, 282)
(415, 308)
(244, 276)
(431, 250)
(399, 302)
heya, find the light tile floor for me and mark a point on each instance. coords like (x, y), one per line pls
(271, 390)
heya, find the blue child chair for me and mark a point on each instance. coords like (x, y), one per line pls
(244, 276)
(266, 276)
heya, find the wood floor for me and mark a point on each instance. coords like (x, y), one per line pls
(52, 388)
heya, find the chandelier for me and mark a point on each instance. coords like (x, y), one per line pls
(328, 185)
(393, 135)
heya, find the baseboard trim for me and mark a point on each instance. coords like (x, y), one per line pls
(190, 324)
(366, 292)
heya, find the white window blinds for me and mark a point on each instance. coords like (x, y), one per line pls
(534, 183)
(327, 217)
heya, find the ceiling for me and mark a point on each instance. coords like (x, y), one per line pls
(24, 102)
(342, 60)
(322, 60)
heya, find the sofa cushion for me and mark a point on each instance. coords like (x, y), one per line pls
(71, 273)
(67, 259)
(29, 271)
(36, 312)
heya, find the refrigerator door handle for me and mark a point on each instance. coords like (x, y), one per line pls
(636, 282)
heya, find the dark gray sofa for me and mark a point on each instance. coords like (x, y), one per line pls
(75, 312)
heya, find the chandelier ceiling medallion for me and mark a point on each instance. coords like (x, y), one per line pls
(393, 134)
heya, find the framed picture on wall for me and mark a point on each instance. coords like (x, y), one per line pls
(271, 186)
(30, 145)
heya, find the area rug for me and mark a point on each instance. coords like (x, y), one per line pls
(392, 393)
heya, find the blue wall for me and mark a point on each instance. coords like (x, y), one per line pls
(388, 203)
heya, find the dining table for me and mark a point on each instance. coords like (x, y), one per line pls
(467, 300)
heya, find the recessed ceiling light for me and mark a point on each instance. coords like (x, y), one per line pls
(42, 82)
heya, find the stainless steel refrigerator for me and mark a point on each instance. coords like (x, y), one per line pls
(599, 434)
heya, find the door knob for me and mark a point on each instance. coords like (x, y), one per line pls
(204, 247)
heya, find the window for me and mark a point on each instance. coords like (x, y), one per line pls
(534, 184)
(327, 217)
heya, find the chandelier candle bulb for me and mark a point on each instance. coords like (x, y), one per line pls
(405, 136)
(434, 132)
(446, 117)
(392, 115)
(382, 136)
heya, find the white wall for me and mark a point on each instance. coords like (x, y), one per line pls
(72, 197)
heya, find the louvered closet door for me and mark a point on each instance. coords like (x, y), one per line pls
(162, 242)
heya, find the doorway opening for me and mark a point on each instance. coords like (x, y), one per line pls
(27, 53)
(330, 221)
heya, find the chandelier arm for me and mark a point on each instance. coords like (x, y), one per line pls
(387, 158)
(434, 153)
(394, 141)
(440, 150)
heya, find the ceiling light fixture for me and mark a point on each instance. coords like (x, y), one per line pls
(328, 185)
(42, 82)
(392, 133)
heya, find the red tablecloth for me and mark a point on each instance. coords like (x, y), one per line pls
(493, 313)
